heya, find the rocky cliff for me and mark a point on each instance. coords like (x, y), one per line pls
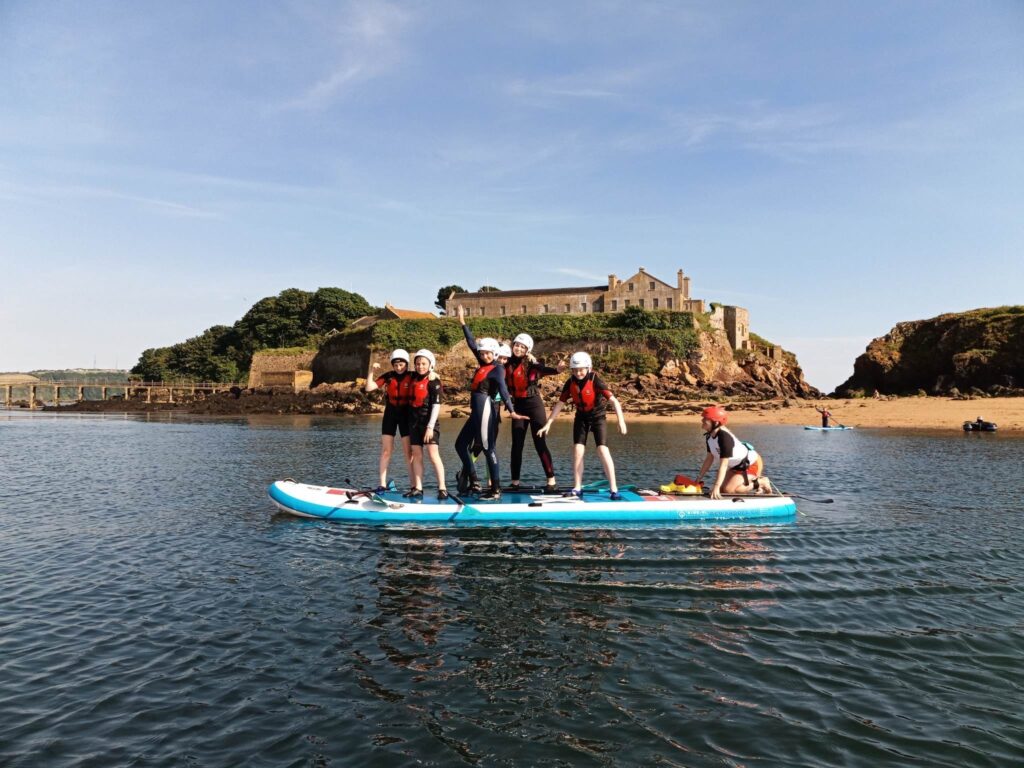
(981, 350)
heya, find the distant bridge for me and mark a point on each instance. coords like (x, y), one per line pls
(35, 392)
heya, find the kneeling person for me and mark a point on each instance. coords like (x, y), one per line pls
(740, 467)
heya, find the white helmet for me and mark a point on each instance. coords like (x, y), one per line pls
(580, 360)
(428, 355)
(526, 340)
(487, 344)
(504, 351)
(400, 354)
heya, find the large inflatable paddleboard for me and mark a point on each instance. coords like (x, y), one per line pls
(828, 429)
(521, 508)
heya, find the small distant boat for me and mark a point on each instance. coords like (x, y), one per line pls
(828, 429)
(979, 426)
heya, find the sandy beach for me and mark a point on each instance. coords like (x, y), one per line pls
(897, 413)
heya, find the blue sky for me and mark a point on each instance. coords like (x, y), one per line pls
(833, 167)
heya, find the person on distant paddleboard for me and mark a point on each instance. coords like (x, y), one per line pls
(589, 394)
(396, 411)
(740, 467)
(482, 424)
(522, 372)
(424, 434)
(826, 415)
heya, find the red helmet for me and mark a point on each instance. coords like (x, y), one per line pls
(715, 413)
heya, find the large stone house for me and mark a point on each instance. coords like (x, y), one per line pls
(641, 290)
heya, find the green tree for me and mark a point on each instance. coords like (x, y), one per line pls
(444, 292)
(488, 289)
(154, 364)
(332, 309)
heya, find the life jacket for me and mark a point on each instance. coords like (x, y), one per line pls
(398, 390)
(585, 398)
(481, 376)
(743, 467)
(518, 379)
(419, 392)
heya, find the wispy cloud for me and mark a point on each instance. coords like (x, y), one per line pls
(582, 274)
(64, 192)
(592, 85)
(368, 43)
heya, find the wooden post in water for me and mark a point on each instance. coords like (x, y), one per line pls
(31, 397)
(81, 394)
(8, 395)
(149, 394)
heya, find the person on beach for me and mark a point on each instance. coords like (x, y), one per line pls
(482, 424)
(521, 376)
(396, 412)
(589, 394)
(424, 434)
(826, 416)
(740, 467)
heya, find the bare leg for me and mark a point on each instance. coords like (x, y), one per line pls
(577, 465)
(417, 467)
(435, 459)
(407, 447)
(609, 466)
(387, 445)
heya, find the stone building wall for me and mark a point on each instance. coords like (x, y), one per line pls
(270, 369)
(734, 322)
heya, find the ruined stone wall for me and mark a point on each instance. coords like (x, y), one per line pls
(344, 357)
(270, 364)
(737, 327)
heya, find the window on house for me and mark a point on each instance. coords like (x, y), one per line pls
(583, 306)
(668, 303)
(631, 286)
(650, 286)
(641, 303)
(615, 304)
(655, 303)
(503, 310)
(625, 303)
(483, 311)
(568, 309)
(546, 310)
(523, 309)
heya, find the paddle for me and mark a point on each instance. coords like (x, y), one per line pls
(463, 506)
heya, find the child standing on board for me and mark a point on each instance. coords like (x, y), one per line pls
(424, 408)
(589, 394)
(396, 411)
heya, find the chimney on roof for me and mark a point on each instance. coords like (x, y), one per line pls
(613, 282)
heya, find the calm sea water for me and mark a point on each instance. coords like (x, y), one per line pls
(156, 612)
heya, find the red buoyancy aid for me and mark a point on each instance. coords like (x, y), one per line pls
(518, 380)
(585, 397)
(419, 392)
(399, 390)
(480, 376)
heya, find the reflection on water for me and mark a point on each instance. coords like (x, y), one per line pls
(158, 612)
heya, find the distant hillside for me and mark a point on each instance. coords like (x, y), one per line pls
(293, 318)
(982, 348)
(82, 374)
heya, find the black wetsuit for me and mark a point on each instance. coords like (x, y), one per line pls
(482, 423)
(521, 377)
(424, 394)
